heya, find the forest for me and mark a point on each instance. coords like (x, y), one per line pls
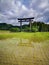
(36, 27)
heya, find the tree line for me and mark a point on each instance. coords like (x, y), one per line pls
(36, 27)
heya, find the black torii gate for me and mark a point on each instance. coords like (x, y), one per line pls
(25, 20)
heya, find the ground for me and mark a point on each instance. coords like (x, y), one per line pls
(24, 48)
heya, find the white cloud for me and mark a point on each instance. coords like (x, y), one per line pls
(44, 4)
(24, 8)
(15, 8)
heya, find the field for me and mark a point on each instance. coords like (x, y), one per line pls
(23, 48)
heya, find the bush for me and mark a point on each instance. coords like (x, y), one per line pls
(14, 29)
(26, 29)
(35, 29)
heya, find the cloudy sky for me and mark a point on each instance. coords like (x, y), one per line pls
(10, 10)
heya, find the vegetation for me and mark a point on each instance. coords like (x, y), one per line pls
(36, 37)
(36, 27)
(23, 48)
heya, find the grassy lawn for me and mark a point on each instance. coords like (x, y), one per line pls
(36, 36)
(22, 48)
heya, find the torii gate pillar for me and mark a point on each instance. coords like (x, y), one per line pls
(20, 26)
(30, 25)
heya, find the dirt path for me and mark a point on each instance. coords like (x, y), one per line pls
(13, 54)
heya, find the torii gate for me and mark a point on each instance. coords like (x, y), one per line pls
(25, 20)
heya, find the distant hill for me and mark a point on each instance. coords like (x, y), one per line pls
(36, 27)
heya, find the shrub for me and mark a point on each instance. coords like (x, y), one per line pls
(35, 29)
(14, 29)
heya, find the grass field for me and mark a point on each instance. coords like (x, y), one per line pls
(24, 48)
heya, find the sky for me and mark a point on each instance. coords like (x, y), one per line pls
(10, 10)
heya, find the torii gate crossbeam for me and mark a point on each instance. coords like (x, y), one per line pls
(25, 20)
